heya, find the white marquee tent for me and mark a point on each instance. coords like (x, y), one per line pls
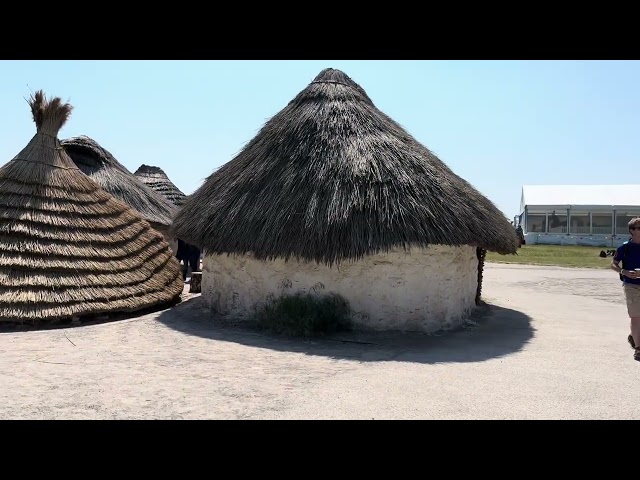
(578, 214)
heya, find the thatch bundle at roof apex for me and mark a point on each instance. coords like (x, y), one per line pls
(329, 178)
(67, 247)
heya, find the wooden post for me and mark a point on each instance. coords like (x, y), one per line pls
(480, 254)
(196, 282)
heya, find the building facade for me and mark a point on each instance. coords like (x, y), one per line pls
(578, 214)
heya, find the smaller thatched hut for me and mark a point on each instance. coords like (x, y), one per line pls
(157, 180)
(115, 178)
(333, 192)
(67, 247)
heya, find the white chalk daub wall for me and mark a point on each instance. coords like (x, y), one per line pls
(423, 290)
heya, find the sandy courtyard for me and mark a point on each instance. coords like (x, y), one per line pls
(552, 346)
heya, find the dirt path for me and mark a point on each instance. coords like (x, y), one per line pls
(553, 347)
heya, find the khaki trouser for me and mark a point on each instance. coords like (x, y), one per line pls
(632, 294)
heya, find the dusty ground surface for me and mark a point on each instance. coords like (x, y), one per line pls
(552, 346)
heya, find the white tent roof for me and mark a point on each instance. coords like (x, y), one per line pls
(582, 195)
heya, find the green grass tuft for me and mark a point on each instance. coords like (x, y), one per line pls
(305, 315)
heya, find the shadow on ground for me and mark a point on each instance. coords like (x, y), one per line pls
(498, 332)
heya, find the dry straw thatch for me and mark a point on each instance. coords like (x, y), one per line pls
(329, 178)
(67, 247)
(157, 180)
(117, 180)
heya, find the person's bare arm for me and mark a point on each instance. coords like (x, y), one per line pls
(615, 265)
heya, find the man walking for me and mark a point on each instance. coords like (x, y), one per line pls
(626, 262)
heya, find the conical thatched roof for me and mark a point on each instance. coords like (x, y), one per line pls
(67, 247)
(331, 177)
(114, 177)
(157, 180)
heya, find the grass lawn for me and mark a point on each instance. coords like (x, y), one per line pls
(561, 255)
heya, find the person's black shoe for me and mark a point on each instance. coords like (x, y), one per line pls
(631, 342)
(636, 354)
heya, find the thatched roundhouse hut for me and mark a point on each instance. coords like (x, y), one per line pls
(155, 178)
(67, 247)
(332, 191)
(116, 179)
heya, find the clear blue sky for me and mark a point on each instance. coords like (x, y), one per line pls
(497, 124)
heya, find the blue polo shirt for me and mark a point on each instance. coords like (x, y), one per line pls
(630, 259)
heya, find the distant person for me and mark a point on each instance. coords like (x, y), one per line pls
(183, 255)
(520, 234)
(194, 259)
(626, 262)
